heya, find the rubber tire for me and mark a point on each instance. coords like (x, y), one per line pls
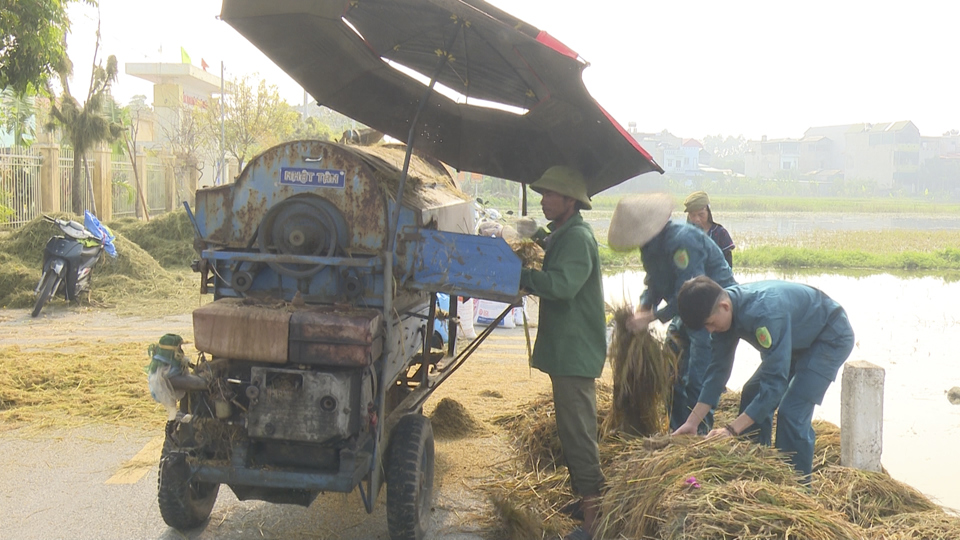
(184, 504)
(46, 291)
(410, 466)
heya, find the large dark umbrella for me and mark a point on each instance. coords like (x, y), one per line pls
(344, 51)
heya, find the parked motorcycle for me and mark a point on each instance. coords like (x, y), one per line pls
(68, 260)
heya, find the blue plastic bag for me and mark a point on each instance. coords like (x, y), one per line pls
(93, 225)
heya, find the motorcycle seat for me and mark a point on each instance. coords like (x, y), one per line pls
(90, 251)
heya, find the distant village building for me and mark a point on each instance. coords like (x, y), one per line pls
(774, 158)
(892, 155)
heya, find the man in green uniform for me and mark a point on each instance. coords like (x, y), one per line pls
(571, 340)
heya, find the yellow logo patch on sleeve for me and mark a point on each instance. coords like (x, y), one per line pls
(763, 337)
(681, 259)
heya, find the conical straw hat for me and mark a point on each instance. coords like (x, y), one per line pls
(637, 219)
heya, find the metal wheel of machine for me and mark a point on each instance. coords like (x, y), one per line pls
(299, 226)
(184, 503)
(46, 291)
(410, 478)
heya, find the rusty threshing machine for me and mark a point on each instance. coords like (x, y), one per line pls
(318, 350)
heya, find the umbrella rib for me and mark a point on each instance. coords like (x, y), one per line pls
(514, 69)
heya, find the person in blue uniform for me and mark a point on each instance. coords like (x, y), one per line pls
(803, 337)
(699, 214)
(671, 253)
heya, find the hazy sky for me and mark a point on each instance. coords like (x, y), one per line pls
(698, 67)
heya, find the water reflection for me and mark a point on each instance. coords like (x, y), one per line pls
(908, 326)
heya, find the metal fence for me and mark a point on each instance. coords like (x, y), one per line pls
(155, 186)
(19, 186)
(124, 187)
(66, 183)
(22, 170)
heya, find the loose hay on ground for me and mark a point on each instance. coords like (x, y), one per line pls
(533, 429)
(451, 420)
(98, 382)
(931, 525)
(867, 497)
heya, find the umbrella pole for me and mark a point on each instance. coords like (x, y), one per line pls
(392, 329)
(395, 218)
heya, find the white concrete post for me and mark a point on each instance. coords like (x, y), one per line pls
(861, 415)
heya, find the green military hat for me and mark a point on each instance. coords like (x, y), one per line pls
(637, 219)
(565, 181)
(696, 201)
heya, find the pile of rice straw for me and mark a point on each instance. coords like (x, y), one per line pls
(451, 420)
(529, 252)
(867, 497)
(689, 488)
(751, 509)
(647, 474)
(167, 238)
(533, 429)
(644, 369)
(133, 274)
(931, 525)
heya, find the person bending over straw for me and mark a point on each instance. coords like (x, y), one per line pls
(803, 337)
(671, 253)
(571, 341)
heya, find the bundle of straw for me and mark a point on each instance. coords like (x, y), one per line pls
(648, 472)
(934, 524)
(752, 510)
(529, 252)
(643, 373)
(867, 497)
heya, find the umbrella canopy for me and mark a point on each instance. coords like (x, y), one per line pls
(346, 53)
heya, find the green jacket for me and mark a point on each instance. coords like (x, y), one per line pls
(571, 338)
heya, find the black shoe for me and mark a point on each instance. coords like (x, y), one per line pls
(573, 509)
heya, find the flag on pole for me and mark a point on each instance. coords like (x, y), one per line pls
(184, 57)
(204, 64)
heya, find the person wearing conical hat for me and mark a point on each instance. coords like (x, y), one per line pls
(571, 343)
(803, 337)
(671, 252)
(697, 207)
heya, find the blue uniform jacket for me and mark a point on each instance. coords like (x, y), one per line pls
(679, 252)
(779, 319)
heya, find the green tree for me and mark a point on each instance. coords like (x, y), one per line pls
(32, 44)
(85, 125)
(16, 110)
(254, 119)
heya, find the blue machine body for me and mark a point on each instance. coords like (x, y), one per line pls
(312, 217)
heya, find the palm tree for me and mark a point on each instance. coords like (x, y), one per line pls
(15, 113)
(85, 126)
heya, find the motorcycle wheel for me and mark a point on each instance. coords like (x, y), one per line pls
(46, 291)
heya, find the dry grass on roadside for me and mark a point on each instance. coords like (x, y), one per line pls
(66, 385)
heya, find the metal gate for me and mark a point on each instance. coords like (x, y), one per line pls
(19, 186)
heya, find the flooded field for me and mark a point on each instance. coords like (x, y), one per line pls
(786, 224)
(908, 326)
